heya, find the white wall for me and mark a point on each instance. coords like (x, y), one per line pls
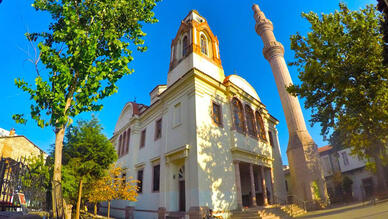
(354, 162)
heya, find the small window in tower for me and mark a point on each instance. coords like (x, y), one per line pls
(203, 44)
(184, 46)
(216, 114)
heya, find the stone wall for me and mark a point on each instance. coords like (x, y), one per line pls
(16, 147)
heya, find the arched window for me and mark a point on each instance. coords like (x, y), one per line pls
(203, 44)
(238, 116)
(249, 117)
(260, 126)
(184, 46)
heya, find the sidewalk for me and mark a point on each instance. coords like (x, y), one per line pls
(354, 211)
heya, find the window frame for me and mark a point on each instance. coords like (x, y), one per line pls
(242, 119)
(119, 145)
(128, 141)
(141, 182)
(185, 45)
(271, 140)
(205, 45)
(177, 115)
(158, 132)
(260, 126)
(345, 155)
(153, 178)
(253, 132)
(220, 123)
(143, 138)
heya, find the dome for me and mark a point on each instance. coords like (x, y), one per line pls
(243, 84)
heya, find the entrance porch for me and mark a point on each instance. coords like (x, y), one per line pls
(250, 181)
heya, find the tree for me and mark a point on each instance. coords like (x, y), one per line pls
(87, 153)
(344, 80)
(85, 52)
(36, 183)
(111, 187)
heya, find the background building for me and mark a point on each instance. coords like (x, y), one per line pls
(346, 176)
(17, 146)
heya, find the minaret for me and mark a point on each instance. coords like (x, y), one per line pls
(307, 180)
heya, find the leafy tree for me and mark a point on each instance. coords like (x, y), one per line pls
(87, 153)
(344, 80)
(111, 187)
(85, 52)
(36, 184)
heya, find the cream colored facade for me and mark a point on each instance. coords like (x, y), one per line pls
(205, 161)
(18, 147)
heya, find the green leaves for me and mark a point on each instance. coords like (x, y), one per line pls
(344, 80)
(87, 154)
(86, 51)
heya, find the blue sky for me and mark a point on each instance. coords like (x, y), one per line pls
(232, 22)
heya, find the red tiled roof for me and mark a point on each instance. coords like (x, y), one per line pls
(325, 148)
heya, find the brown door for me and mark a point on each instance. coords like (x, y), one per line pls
(182, 196)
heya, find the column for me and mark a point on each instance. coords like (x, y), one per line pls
(272, 188)
(253, 191)
(238, 183)
(263, 186)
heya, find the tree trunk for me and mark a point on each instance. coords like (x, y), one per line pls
(108, 209)
(79, 199)
(95, 209)
(380, 174)
(56, 190)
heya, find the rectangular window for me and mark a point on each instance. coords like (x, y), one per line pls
(326, 164)
(119, 146)
(177, 115)
(158, 129)
(122, 152)
(140, 181)
(345, 158)
(156, 178)
(271, 139)
(128, 139)
(143, 138)
(216, 113)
